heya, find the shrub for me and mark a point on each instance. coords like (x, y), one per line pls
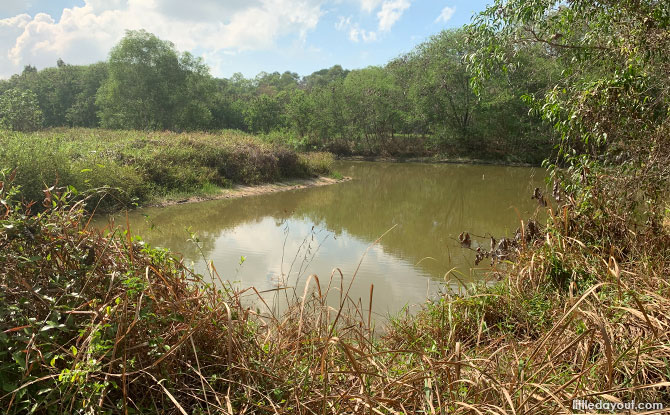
(19, 110)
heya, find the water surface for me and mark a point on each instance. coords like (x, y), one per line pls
(278, 239)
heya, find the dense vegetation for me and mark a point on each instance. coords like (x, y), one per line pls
(418, 104)
(97, 323)
(137, 168)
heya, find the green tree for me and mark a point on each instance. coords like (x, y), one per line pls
(615, 87)
(194, 111)
(300, 112)
(272, 83)
(264, 113)
(148, 86)
(55, 89)
(324, 77)
(330, 114)
(440, 88)
(84, 112)
(371, 97)
(229, 97)
(436, 101)
(19, 110)
(610, 106)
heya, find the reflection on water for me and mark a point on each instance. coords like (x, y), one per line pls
(281, 238)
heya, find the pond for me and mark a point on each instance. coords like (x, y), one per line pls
(279, 239)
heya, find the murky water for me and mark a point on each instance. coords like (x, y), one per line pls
(268, 241)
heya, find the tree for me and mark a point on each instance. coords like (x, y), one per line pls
(148, 85)
(29, 69)
(440, 88)
(324, 77)
(329, 107)
(300, 112)
(197, 97)
(371, 97)
(615, 88)
(610, 107)
(19, 110)
(84, 112)
(264, 113)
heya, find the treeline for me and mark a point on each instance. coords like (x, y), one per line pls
(418, 104)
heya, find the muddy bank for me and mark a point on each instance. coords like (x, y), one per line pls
(244, 191)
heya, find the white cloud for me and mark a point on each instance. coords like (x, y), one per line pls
(105, 5)
(12, 28)
(356, 34)
(446, 15)
(390, 13)
(370, 5)
(205, 10)
(343, 23)
(85, 34)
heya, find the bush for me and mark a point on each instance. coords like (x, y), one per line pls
(19, 110)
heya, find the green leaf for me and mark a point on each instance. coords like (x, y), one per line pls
(20, 358)
(8, 386)
(52, 363)
(52, 325)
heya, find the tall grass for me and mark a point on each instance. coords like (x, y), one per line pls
(106, 324)
(138, 167)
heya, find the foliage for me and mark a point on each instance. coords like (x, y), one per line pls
(263, 113)
(615, 87)
(106, 324)
(610, 106)
(607, 231)
(99, 316)
(150, 86)
(84, 112)
(65, 94)
(19, 110)
(437, 65)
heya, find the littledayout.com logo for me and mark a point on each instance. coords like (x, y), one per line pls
(584, 405)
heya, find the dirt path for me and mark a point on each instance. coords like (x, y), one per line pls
(244, 191)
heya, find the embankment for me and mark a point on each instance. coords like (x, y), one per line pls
(139, 168)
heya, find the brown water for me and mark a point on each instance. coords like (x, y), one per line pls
(279, 239)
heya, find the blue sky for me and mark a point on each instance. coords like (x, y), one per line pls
(246, 36)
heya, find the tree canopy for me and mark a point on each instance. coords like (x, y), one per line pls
(615, 88)
(151, 86)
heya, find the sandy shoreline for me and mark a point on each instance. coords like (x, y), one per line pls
(244, 191)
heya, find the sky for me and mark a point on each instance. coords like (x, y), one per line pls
(246, 36)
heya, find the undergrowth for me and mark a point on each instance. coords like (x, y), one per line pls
(138, 167)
